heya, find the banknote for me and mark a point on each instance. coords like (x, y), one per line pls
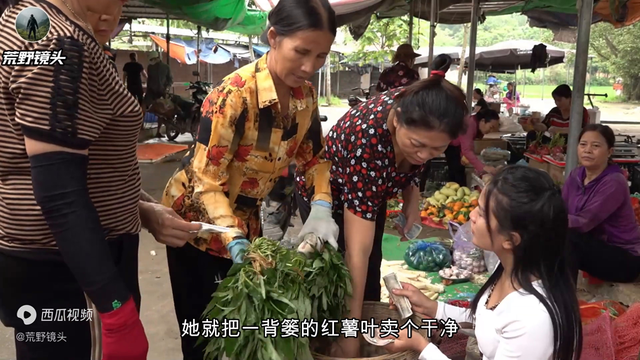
(401, 302)
(401, 221)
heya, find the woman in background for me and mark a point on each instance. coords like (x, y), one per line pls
(484, 122)
(481, 103)
(528, 309)
(602, 225)
(511, 99)
(401, 73)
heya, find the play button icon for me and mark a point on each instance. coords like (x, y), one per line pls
(27, 314)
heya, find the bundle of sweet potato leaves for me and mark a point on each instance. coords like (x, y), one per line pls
(273, 286)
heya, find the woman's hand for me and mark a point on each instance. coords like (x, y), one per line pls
(420, 303)
(165, 225)
(410, 208)
(416, 342)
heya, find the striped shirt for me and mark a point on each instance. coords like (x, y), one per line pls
(555, 118)
(80, 105)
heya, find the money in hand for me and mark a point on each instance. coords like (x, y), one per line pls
(401, 302)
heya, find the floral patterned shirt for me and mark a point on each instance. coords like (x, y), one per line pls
(244, 144)
(396, 76)
(363, 172)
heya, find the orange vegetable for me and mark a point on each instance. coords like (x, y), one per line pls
(424, 213)
(461, 218)
(447, 212)
(474, 202)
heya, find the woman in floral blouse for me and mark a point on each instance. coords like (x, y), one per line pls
(377, 151)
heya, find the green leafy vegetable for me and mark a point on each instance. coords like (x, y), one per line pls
(277, 286)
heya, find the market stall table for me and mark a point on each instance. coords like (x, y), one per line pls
(393, 249)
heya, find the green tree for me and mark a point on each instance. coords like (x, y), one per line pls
(381, 39)
(618, 51)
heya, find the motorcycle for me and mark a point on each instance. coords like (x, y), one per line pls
(180, 115)
(354, 100)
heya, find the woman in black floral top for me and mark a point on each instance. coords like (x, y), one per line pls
(378, 150)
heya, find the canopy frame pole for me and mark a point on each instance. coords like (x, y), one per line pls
(585, 16)
(432, 32)
(412, 8)
(168, 42)
(473, 39)
(198, 52)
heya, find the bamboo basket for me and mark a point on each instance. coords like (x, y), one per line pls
(378, 311)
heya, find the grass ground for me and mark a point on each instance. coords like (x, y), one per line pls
(40, 33)
(335, 101)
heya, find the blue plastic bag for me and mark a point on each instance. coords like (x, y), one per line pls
(426, 256)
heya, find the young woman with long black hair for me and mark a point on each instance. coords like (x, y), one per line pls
(528, 308)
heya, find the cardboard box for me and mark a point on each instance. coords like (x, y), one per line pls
(556, 172)
(480, 145)
(544, 166)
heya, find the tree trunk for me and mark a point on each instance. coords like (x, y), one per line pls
(632, 88)
(328, 80)
(463, 53)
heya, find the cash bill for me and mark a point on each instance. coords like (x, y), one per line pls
(401, 302)
(401, 221)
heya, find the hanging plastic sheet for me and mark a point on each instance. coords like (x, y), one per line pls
(217, 15)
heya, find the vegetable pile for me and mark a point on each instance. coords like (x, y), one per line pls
(426, 256)
(415, 278)
(558, 148)
(277, 284)
(394, 204)
(451, 203)
(454, 273)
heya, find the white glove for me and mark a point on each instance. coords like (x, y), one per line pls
(321, 224)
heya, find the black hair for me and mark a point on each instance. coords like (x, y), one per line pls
(527, 202)
(487, 115)
(133, 56)
(606, 132)
(478, 91)
(563, 91)
(290, 16)
(434, 103)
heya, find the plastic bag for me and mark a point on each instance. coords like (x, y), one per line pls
(495, 154)
(510, 124)
(466, 256)
(426, 256)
